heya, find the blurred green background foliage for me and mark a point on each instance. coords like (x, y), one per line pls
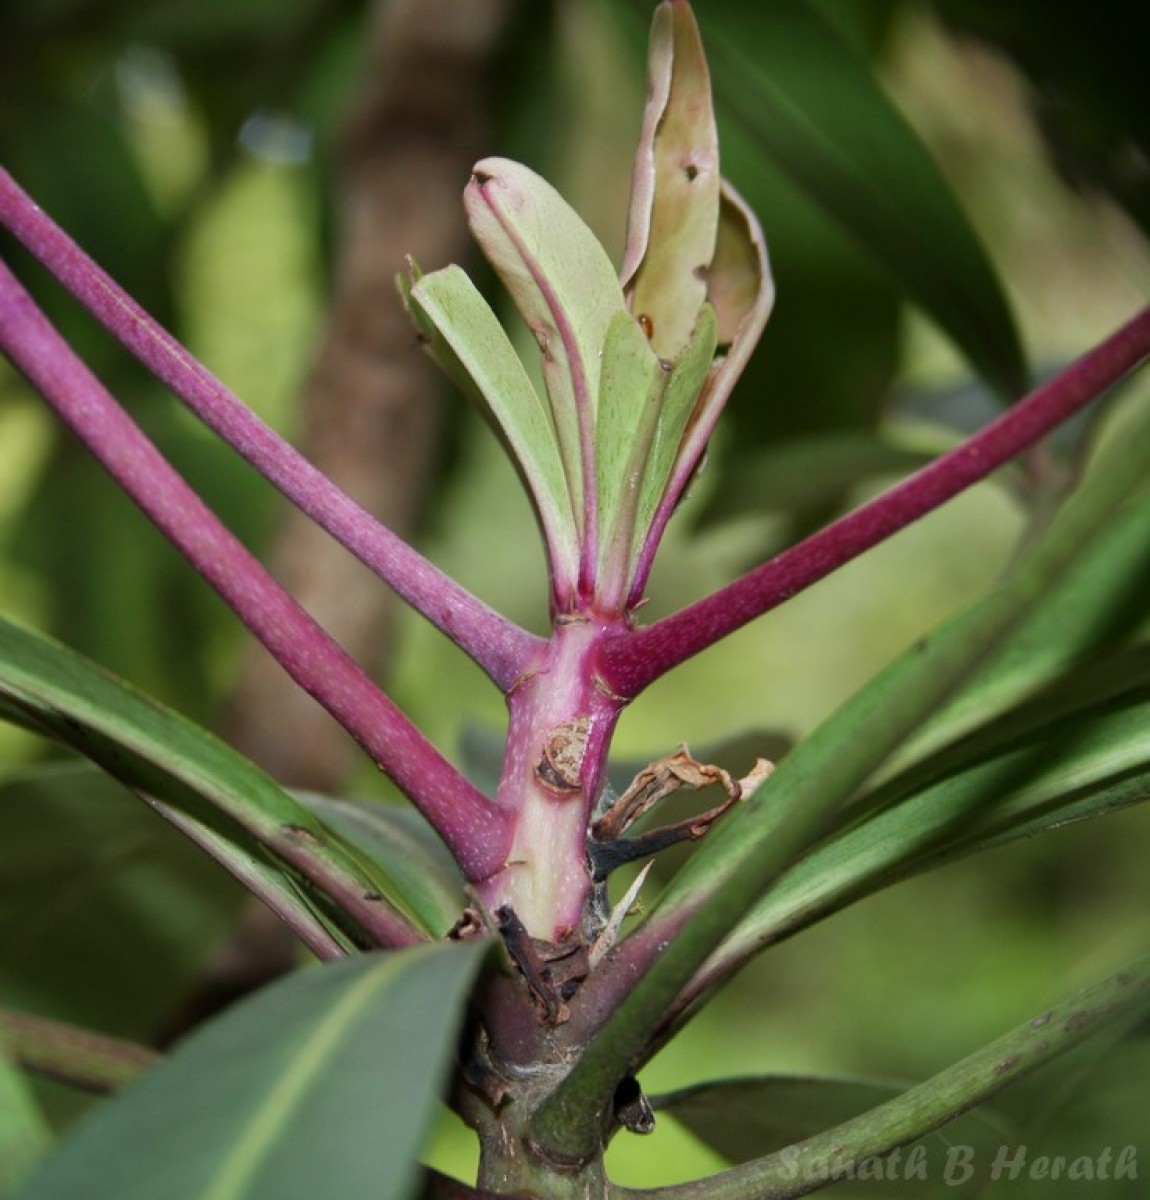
(956, 198)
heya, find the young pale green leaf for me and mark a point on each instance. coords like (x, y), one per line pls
(674, 216)
(566, 290)
(632, 389)
(24, 1133)
(739, 283)
(745, 1118)
(818, 112)
(161, 754)
(326, 1080)
(466, 337)
(680, 404)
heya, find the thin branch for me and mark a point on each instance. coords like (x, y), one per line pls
(817, 1161)
(473, 828)
(79, 1057)
(632, 661)
(498, 645)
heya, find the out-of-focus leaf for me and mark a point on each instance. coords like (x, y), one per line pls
(830, 286)
(24, 1134)
(810, 472)
(157, 752)
(405, 847)
(795, 88)
(745, 1118)
(1110, 1006)
(60, 1050)
(85, 870)
(1087, 69)
(326, 1080)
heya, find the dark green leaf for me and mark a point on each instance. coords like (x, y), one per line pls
(71, 1055)
(84, 870)
(794, 88)
(745, 1118)
(239, 810)
(405, 848)
(812, 472)
(324, 1084)
(1086, 68)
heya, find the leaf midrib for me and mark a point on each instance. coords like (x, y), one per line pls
(253, 1144)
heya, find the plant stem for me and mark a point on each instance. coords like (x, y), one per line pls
(560, 729)
(631, 661)
(474, 829)
(86, 1060)
(498, 645)
(818, 1160)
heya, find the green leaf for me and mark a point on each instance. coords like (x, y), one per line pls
(1092, 762)
(745, 1118)
(157, 752)
(450, 310)
(24, 1134)
(405, 848)
(1095, 607)
(84, 869)
(810, 473)
(785, 78)
(679, 405)
(632, 387)
(1114, 1004)
(754, 845)
(565, 288)
(325, 1083)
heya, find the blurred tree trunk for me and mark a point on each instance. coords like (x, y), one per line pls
(369, 412)
(415, 127)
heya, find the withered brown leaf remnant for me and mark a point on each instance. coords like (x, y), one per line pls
(667, 776)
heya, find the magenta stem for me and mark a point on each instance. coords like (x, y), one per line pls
(633, 660)
(474, 829)
(498, 645)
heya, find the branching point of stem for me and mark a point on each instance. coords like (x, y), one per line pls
(631, 661)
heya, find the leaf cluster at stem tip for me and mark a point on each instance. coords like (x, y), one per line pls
(635, 371)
